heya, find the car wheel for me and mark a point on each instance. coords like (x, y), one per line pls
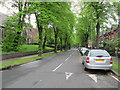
(86, 69)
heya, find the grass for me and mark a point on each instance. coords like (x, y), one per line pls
(24, 48)
(48, 48)
(116, 67)
(30, 48)
(3, 65)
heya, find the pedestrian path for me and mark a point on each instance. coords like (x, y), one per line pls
(116, 59)
(20, 58)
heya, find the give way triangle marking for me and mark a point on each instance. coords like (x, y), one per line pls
(68, 74)
(94, 77)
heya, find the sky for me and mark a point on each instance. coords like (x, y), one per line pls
(9, 11)
(74, 7)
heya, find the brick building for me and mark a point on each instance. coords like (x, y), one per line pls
(110, 35)
(113, 34)
(3, 18)
(31, 35)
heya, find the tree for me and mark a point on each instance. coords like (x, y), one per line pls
(96, 14)
(14, 27)
(56, 14)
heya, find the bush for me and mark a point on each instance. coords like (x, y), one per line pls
(110, 46)
(9, 43)
(35, 43)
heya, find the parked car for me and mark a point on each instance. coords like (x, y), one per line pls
(82, 50)
(97, 59)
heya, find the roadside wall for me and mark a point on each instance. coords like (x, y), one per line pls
(21, 54)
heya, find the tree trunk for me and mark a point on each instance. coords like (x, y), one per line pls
(20, 23)
(69, 46)
(98, 31)
(40, 50)
(61, 43)
(97, 7)
(119, 26)
(66, 43)
(86, 40)
(56, 36)
(45, 38)
(97, 36)
(40, 30)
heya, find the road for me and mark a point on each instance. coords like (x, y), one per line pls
(62, 70)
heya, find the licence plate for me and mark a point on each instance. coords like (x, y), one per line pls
(101, 60)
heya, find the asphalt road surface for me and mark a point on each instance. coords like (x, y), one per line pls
(63, 70)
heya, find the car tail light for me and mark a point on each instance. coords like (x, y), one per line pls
(87, 61)
(110, 60)
(87, 58)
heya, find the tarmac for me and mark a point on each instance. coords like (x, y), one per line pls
(115, 59)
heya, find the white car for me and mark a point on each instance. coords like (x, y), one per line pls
(83, 49)
(97, 59)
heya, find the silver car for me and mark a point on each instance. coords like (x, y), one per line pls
(97, 59)
(83, 49)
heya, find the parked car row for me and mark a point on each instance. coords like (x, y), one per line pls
(82, 50)
(96, 59)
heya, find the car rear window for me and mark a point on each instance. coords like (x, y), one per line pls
(86, 53)
(99, 54)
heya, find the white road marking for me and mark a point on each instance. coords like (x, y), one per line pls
(36, 83)
(62, 63)
(57, 67)
(115, 78)
(93, 77)
(68, 74)
(69, 57)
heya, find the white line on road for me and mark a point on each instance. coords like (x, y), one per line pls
(62, 63)
(57, 67)
(115, 78)
(69, 57)
(36, 83)
(93, 77)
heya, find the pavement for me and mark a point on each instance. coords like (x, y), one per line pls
(20, 58)
(62, 70)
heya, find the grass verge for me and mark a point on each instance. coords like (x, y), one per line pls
(31, 48)
(3, 65)
(116, 67)
(24, 48)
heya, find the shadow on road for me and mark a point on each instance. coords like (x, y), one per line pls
(98, 72)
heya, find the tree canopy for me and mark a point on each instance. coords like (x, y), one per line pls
(58, 25)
